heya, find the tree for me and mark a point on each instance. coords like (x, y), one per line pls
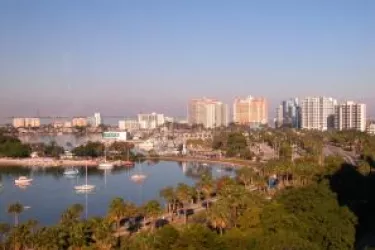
(169, 195)
(246, 175)
(219, 215)
(79, 235)
(206, 185)
(183, 193)
(102, 234)
(151, 210)
(72, 215)
(16, 209)
(4, 230)
(116, 211)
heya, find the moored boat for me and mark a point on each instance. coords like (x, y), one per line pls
(105, 166)
(23, 180)
(71, 171)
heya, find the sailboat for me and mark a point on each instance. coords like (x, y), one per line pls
(71, 172)
(139, 176)
(105, 165)
(84, 187)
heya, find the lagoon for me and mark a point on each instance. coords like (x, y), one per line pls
(51, 192)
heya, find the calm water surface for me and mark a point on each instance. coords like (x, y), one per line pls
(51, 192)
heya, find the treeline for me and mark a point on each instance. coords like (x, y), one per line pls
(13, 147)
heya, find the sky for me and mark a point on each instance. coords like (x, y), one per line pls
(75, 57)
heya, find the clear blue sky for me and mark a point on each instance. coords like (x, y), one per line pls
(121, 57)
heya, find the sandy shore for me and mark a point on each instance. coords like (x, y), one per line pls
(45, 162)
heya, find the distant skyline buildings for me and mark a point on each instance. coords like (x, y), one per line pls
(288, 114)
(350, 116)
(317, 113)
(210, 113)
(150, 121)
(252, 111)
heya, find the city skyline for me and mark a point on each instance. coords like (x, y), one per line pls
(68, 58)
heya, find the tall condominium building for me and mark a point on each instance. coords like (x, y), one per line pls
(26, 122)
(350, 115)
(209, 112)
(128, 125)
(98, 119)
(150, 121)
(288, 114)
(317, 113)
(250, 111)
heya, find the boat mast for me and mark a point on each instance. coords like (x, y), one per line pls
(86, 160)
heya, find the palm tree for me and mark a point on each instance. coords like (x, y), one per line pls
(4, 230)
(151, 210)
(206, 184)
(218, 216)
(79, 236)
(16, 209)
(116, 211)
(246, 176)
(72, 214)
(31, 226)
(184, 196)
(169, 195)
(102, 234)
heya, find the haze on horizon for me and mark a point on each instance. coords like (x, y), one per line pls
(123, 57)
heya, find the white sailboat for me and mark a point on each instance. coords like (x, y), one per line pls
(138, 177)
(105, 165)
(85, 187)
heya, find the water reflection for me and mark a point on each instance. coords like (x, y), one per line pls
(52, 192)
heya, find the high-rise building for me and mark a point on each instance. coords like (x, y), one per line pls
(250, 111)
(150, 121)
(128, 125)
(350, 115)
(98, 119)
(208, 112)
(288, 114)
(317, 113)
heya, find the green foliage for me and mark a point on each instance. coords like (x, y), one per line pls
(53, 150)
(12, 147)
(92, 149)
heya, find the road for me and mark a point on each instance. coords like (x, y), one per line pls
(348, 156)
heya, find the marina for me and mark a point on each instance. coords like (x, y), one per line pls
(51, 191)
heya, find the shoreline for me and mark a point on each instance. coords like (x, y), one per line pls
(45, 162)
(50, 162)
(228, 162)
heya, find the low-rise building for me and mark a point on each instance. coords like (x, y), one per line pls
(116, 136)
(18, 122)
(79, 122)
(26, 122)
(371, 128)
